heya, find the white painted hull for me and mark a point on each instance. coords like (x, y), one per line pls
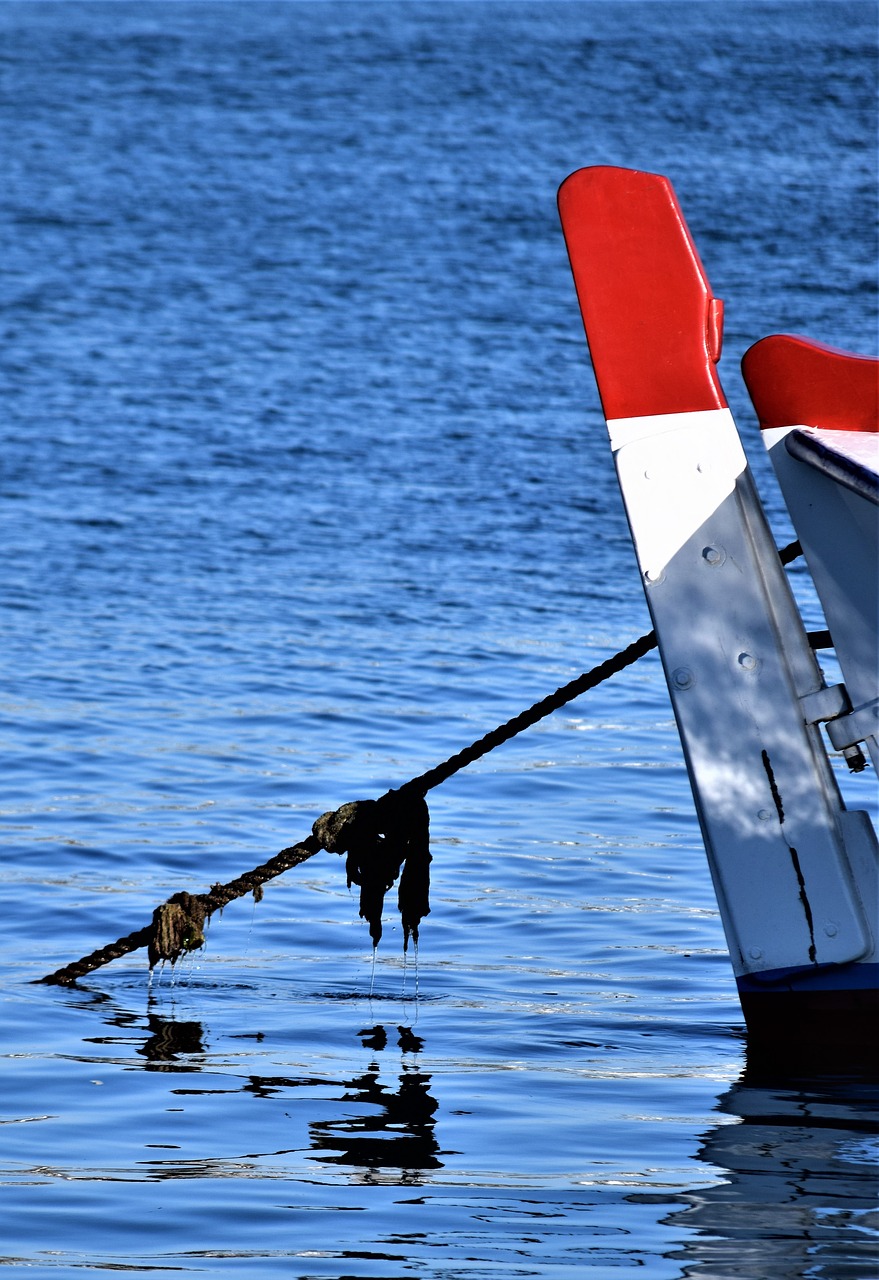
(795, 871)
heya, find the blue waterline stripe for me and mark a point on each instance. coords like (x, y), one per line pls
(849, 977)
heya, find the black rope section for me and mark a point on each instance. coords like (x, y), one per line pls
(177, 925)
(383, 840)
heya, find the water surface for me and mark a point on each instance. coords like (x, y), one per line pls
(303, 486)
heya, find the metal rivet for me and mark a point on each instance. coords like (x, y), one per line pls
(831, 929)
(748, 662)
(683, 678)
(755, 953)
(764, 815)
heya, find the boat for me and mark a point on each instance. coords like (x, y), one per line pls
(794, 869)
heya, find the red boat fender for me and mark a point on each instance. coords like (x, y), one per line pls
(794, 381)
(653, 325)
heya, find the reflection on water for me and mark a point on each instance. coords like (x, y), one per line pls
(168, 1046)
(169, 1043)
(801, 1177)
(796, 1158)
(385, 1133)
(396, 1130)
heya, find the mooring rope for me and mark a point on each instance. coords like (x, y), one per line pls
(171, 932)
(382, 838)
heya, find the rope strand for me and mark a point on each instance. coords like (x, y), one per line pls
(194, 909)
(177, 923)
(525, 719)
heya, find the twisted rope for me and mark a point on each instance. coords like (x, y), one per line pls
(177, 924)
(566, 693)
(167, 942)
(171, 932)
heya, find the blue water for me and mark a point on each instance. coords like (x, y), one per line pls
(303, 486)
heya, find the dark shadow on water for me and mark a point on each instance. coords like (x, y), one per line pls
(169, 1042)
(169, 1045)
(795, 1156)
(388, 1128)
(382, 1129)
(385, 1134)
(800, 1182)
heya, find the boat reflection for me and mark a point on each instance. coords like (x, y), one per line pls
(799, 1195)
(795, 1158)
